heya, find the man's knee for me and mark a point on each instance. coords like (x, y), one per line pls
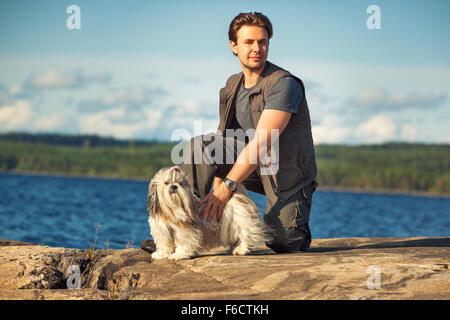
(298, 239)
(289, 221)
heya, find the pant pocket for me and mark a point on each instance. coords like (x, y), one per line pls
(303, 210)
(290, 215)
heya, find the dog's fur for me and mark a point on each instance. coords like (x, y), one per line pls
(179, 232)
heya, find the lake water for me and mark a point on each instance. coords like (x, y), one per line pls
(61, 211)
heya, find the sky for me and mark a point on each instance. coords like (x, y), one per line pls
(146, 69)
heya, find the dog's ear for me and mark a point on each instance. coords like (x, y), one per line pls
(152, 198)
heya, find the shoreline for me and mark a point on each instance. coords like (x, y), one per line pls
(385, 191)
(320, 188)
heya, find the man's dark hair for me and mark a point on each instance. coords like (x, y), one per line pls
(249, 19)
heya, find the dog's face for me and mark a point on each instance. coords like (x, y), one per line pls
(170, 195)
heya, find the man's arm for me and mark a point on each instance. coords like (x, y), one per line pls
(216, 182)
(261, 143)
(269, 120)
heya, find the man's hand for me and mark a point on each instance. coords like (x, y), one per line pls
(215, 202)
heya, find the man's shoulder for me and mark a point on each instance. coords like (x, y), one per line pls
(281, 80)
(288, 82)
(233, 78)
(286, 91)
(231, 81)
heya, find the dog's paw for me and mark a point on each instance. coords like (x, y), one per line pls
(180, 256)
(240, 251)
(158, 254)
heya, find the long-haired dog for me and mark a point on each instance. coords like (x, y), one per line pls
(179, 232)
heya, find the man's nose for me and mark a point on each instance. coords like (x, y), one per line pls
(256, 47)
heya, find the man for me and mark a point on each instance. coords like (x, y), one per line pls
(269, 100)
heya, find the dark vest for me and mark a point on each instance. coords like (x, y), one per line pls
(297, 164)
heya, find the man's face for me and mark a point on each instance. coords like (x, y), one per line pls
(252, 47)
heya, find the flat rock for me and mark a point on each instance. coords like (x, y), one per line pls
(346, 268)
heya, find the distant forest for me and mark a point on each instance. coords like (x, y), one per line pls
(390, 166)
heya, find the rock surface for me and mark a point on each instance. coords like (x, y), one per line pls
(407, 268)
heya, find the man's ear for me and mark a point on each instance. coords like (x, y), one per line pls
(233, 46)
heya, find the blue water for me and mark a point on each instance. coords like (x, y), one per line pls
(60, 211)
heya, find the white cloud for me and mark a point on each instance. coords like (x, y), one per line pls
(331, 130)
(150, 122)
(15, 116)
(15, 89)
(377, 129)
(381, 98)
(50, 123)
(131, 98)
(54, 79)
(101, 76)
(195, 117)
(120, 123)
(126, 96)
(369, 97)
(410, 133)
(194, 109)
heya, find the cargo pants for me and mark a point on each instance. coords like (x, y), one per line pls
(288, 219)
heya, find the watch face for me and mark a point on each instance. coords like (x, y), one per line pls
(232, 184)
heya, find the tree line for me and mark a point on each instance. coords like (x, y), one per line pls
(395, 166)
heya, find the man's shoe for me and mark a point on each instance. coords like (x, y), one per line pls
(148, 245)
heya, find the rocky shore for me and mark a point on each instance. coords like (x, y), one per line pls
(347, 268)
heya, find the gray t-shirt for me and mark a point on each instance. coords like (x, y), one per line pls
(285, 95)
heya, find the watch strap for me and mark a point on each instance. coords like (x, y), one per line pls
(229, 183)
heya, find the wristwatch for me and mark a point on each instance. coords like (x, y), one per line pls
(230, 184)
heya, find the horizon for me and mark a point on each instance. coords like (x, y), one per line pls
(144, 140)
(143, 70)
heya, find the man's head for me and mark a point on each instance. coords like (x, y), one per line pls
(249, 35)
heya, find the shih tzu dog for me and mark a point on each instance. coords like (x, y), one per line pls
(179, 232)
